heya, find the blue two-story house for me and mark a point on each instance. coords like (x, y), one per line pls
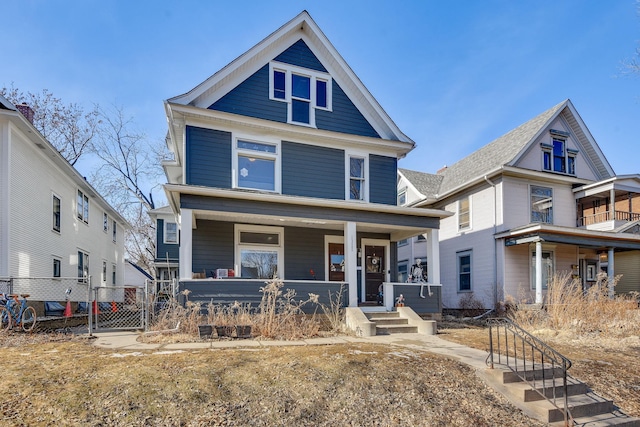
(284, 164)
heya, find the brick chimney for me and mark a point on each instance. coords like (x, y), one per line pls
(26, 111)
(442, 169)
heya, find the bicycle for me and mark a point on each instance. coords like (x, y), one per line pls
(16, 313)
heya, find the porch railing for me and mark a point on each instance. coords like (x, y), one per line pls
(533, 361)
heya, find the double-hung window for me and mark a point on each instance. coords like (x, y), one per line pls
(83, 266)
(57, 267)
(83, 207)
(402, 197)
(259, 251)
(464, 271)
(464, 213)
(170, 232)
(104, 272)
(56, 213)
(113, 274)
(114, 230)
(303, 89)
(357, 173)
(105, 222)
(257, 165)
(541, 204)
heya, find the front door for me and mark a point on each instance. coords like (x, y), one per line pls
(374, 271)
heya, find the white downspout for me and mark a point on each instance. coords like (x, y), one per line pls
(495, 243)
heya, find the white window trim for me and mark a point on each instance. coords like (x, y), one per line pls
(277, 157)
(59, 259)
(164, 233)
(468, 227)
(531, 204)
(314, 76)
(80, 215)
(85, 267)
(458, 256)
(53, 224)
(104, 272)
(347, 169)
(105, 222)
(114, 230)
(327, 240)
(238, 228)
(114, 276)
(402, 193)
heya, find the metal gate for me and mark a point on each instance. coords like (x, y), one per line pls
(117, 307)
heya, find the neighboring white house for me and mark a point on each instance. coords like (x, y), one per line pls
(540, 199)
(53, 224)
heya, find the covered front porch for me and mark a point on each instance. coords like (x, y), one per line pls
(538, 251)
(232, 240)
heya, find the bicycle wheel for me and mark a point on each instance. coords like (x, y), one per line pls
(28, 319)
(5, 319)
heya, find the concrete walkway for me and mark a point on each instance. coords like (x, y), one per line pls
(128, 341)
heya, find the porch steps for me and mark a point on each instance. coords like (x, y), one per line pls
(390, 322)
(587, 408)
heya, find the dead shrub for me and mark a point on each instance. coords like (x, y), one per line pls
(570, 308)
(470, 305)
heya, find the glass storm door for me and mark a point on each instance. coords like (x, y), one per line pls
(374, 271)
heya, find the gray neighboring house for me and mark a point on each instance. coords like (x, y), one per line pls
(539, 200)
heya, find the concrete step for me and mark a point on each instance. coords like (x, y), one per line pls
(390, 321)
(532, 374)
(583, 405)
(396, 329)
(373, 316)
(548, 388)
(611, 419)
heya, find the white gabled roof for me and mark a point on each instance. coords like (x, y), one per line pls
(305, 28)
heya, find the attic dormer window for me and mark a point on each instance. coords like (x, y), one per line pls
(304, 90)
(557, 157)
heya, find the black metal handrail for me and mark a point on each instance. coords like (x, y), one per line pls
(533, 361)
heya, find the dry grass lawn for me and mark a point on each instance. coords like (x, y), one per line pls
(54, 380)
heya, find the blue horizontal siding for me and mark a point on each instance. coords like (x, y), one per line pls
(345, 117)
(300, 55)
(383, 178)
(165, 250)
(208, 157)
(212, 246)
(251, 98)
(228, 291)
(312, 171)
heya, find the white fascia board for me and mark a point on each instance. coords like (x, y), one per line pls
(301, 27)
(231, 122)
(590, 137)
(173, 191)
(540, 131)
(569, 231)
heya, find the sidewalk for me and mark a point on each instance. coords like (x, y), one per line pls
(128, 341)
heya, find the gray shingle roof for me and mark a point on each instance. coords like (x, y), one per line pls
(501, 151)
(497, 153)
(426, 183)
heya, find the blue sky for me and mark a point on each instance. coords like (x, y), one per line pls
(453, 75)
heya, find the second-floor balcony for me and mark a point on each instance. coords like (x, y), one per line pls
(608, 205)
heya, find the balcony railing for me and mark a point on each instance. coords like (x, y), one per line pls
(607, 216)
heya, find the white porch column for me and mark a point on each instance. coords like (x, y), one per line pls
(186, 239)
(433, 256)
(351, 262)
(538, 272)
(611, 273)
